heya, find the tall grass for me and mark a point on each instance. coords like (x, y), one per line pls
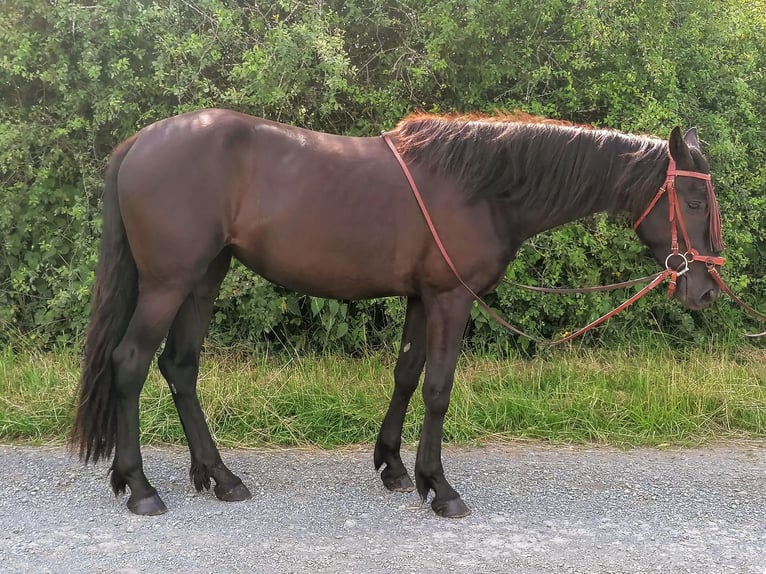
(641, 395)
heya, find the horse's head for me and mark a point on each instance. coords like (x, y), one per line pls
(682, 224)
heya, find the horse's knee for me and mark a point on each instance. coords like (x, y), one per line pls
(407, 376)
(436, 401)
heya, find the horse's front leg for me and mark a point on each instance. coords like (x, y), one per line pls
(409, 366)
(446, 316)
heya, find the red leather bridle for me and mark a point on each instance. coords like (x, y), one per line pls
(677, 222)
(670, 273)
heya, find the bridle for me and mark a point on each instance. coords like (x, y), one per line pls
(677, 222)
(676, 219)
(671, 272)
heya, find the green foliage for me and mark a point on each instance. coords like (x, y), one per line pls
(77, 77)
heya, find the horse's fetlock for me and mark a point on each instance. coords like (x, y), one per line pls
(118, 481)
(199, 474)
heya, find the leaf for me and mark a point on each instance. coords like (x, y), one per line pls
(341, 329)
(316, 305)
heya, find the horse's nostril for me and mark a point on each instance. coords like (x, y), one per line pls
(709, 296)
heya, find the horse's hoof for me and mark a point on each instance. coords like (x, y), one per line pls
(151, 505)
(452, 508)
(401, 483)
(237, 493)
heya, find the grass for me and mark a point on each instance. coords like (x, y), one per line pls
(624, 397)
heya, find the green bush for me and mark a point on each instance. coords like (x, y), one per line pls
(78, 77)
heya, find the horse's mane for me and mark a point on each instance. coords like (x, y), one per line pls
(540, 163)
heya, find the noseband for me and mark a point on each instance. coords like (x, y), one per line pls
(677, 222)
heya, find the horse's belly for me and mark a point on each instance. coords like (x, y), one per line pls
(325, 270)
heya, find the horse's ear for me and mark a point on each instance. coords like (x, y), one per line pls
(679, 150)
(690, 137)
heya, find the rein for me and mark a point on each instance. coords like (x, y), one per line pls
(596, 289)
(671, 273)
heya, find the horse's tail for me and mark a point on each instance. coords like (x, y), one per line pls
(113, 302)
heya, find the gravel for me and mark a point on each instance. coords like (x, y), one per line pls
(535, 509)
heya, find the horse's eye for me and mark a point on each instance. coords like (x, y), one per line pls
(694, 204)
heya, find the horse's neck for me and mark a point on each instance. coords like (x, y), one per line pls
(546, 221)
(621, 188)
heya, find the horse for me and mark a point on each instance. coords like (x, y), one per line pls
(333, 216)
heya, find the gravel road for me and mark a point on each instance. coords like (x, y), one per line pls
(535, 509)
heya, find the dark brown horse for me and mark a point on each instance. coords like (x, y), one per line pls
(333, 216)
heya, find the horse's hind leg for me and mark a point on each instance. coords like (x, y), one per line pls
(151, 319)
(409, 366)
(179, 364)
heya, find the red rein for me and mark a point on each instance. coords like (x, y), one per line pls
(671, 272)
